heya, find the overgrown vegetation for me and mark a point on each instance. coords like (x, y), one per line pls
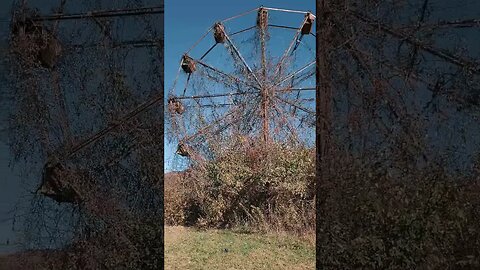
(396, 138)
(130, 244)
(375, 218)
(252, 185)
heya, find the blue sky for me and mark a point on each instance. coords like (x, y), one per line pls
(187, 21)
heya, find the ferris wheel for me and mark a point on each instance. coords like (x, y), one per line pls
(255, 78)
(53, 118)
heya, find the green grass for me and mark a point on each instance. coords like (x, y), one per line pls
(223, 249)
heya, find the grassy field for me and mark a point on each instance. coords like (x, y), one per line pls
(192, 249)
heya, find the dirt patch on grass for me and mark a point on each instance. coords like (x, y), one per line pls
(174, 234)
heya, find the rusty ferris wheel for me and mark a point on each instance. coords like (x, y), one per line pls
(54, 117)
(250, 80)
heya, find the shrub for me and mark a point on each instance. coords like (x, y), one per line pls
(254, 185)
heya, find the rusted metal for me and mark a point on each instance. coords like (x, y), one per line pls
(233, 78)
(296, 89)
(102, 14)
(307, 26)
(214, 95)
(265, 114)
(47, 47)
(262, 22)
(295, 105)
(262, 83)
(183, 150)
(237, 52)
(292, 43)
(287, 10)
(55, 183)
(22, 24)
(188, 64)
(262, 18)
(175, 106)
(295, 73)
(139, 109)
(219, 33)
(50, 52)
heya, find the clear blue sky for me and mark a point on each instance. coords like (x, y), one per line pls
(186, 21)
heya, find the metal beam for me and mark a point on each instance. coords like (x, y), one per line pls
(101, 14)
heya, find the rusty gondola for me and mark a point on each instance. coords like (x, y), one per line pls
(57, 182)
(32, 37)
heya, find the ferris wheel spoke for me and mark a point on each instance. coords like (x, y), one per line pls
(452, 59)
(186, 84)
(198, 41)
(222, 128)
(206, 128)
(60, 100)
(295, 105)
(242, 60)
(214, 95)
(300, 89)
(233, 78)
(218, 79)
(286, 120)
(299, 41)
(101, 14)
(304, 77)
(208, 51)
(287, 51)
(291, 75)
(294, 110)
(139, 109)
